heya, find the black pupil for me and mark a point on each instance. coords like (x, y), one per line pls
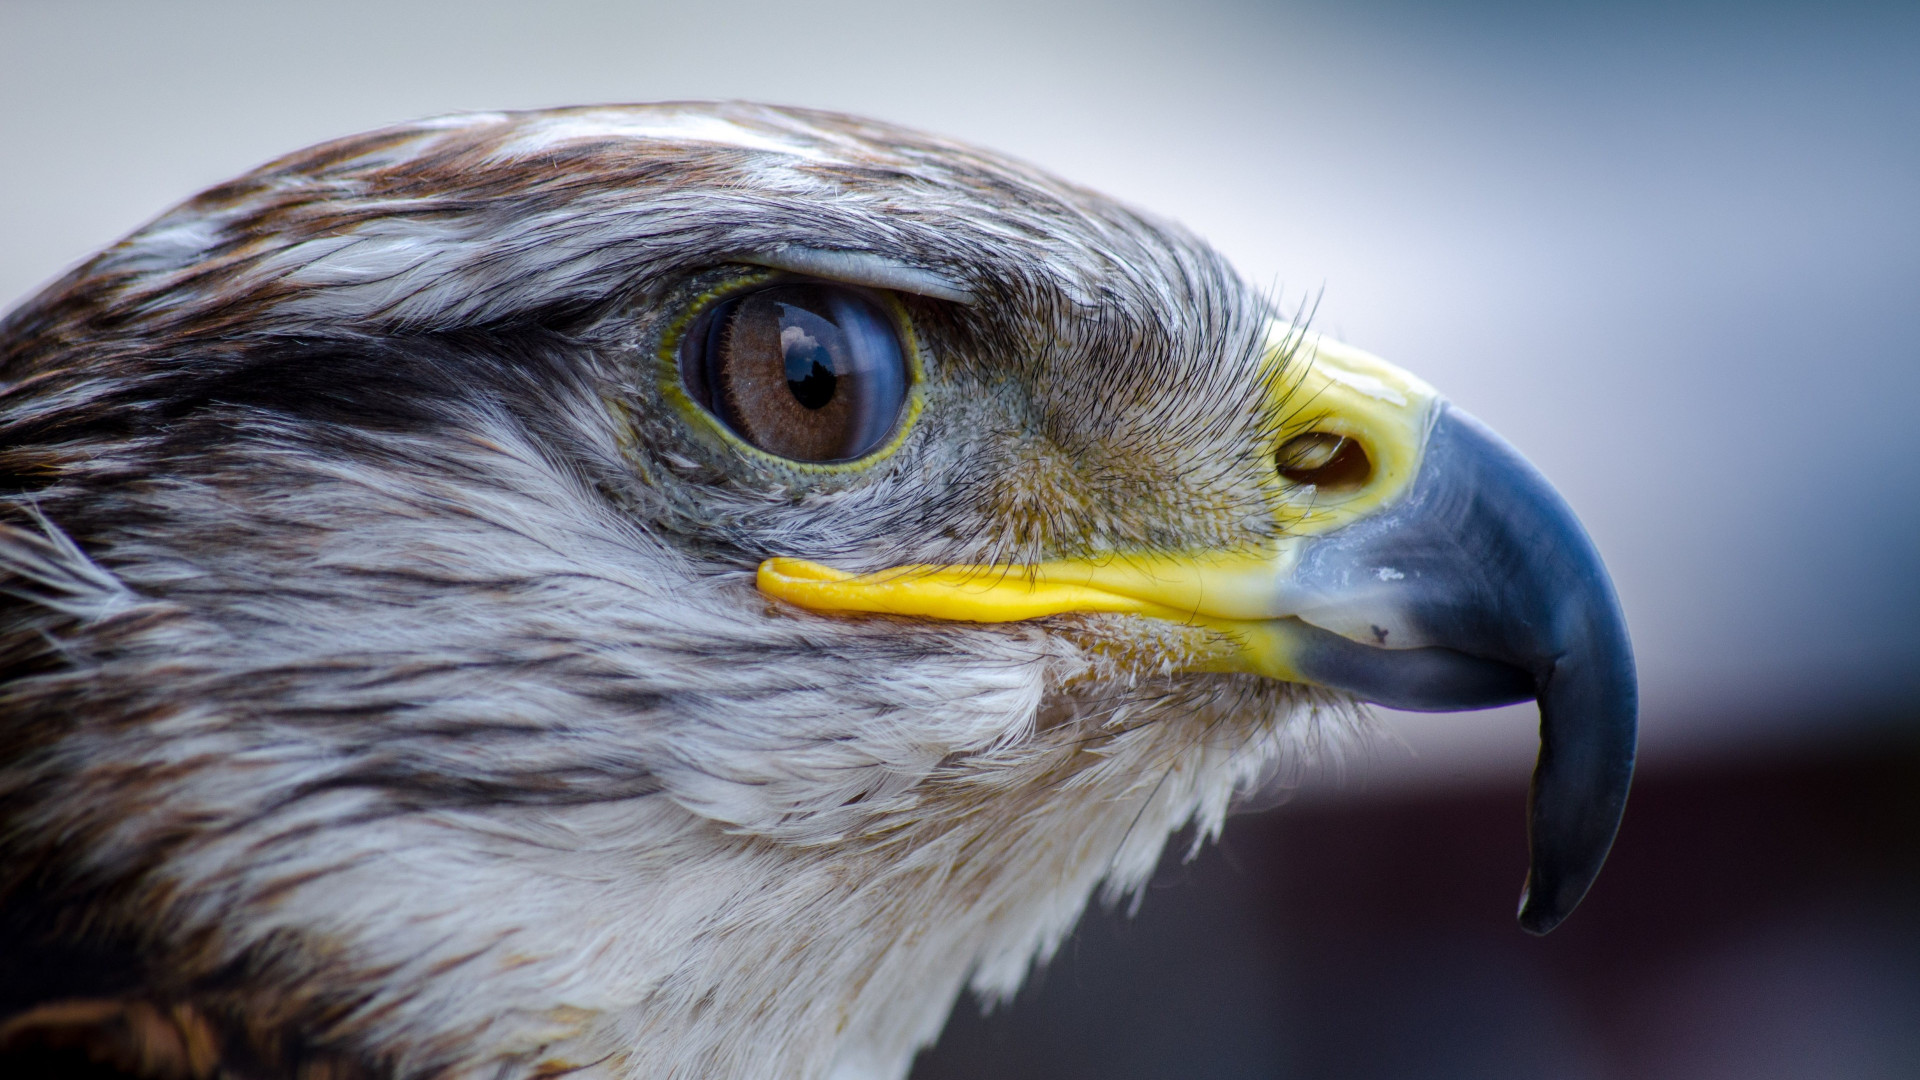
(809, 367)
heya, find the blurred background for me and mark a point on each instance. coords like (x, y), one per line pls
(1670, 250)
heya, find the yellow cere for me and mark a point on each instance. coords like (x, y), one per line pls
(1329, 388)
(1342, 390)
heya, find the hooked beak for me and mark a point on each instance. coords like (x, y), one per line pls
(1425, 565)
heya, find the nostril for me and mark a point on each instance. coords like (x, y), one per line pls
(1327, 461)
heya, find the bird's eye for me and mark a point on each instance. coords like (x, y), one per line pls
(811, 372)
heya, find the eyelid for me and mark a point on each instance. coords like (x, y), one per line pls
(860, 268)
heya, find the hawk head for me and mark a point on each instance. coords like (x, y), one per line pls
(681, 590)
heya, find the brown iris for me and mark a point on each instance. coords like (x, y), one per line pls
(1329, 462)
(811, 372)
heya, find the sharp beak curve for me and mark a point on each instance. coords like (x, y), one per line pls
(1486, 572)
(1450, 576)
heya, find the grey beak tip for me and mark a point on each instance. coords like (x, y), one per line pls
(1553, 582)
(1537, 919)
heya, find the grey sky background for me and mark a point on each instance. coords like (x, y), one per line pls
(1671, 251)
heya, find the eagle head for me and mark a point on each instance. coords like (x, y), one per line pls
(683, 590)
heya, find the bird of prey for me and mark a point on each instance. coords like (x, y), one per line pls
(684, 590)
